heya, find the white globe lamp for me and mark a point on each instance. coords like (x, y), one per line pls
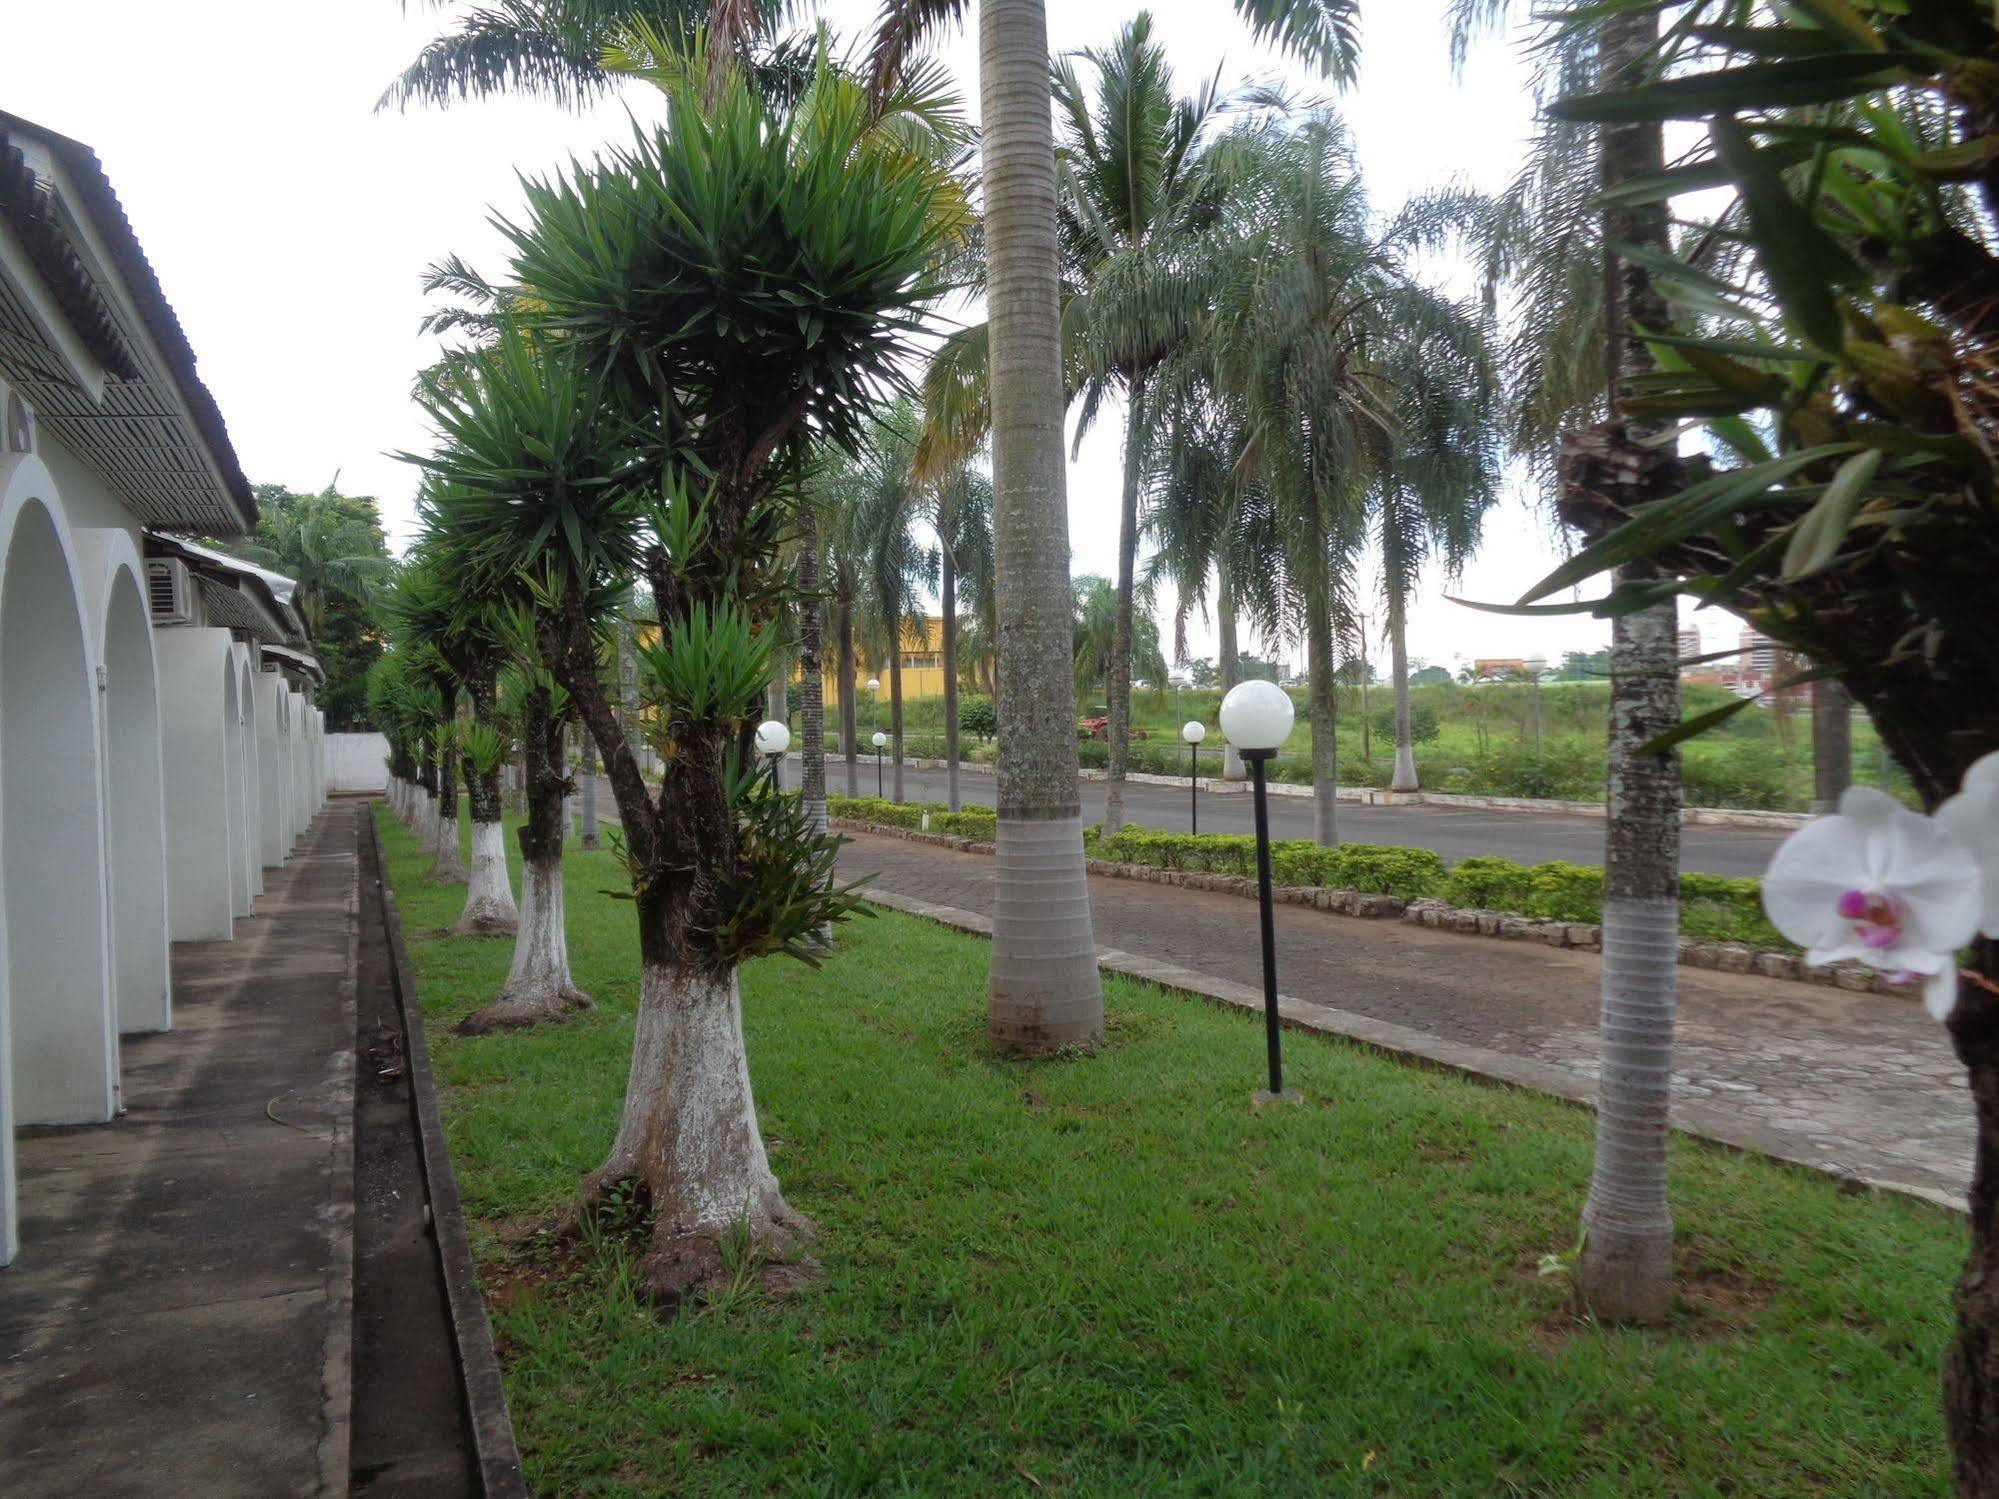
(880, 739)
(773, 738)
(1257, 717)
(1193, 731)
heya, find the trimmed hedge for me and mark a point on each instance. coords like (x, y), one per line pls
(981, 823)
(1376, 869)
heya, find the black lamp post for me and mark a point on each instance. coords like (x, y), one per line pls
(880, 740)
(1193, 731)
(1257, 718)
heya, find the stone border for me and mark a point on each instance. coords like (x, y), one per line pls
(1375, 796)
(491, 1426)
(1403, 1044)
(1695, 952)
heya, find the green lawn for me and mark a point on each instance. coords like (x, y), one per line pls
(1105, 1276)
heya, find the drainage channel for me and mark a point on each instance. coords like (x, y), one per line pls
(411, 1433)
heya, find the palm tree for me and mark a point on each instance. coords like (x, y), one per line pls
(329, 545)
(1137, 185)
(894, 571)
(1044, 991)
(1574, 365)
(961, 508)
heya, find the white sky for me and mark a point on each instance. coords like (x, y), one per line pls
(289, 223)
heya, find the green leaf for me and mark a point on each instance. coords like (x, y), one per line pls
(1763, 85)
(1816, 536)
(1700, 723)
(1803, 263)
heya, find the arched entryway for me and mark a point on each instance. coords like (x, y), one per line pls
(134, 803)
(273, 764)
(58, 1038)
(250, 855)
(232, 789)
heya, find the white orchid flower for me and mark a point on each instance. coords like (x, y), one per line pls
(1973, 819)
(1882, 885)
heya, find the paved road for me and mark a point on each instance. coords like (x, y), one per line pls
(1862, 1082)
(1454, 832)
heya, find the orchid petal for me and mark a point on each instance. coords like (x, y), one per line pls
(1973, 819)
(1940, 993)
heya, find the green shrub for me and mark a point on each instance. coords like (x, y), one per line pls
(981, 823)
(1423, 726)
(883, 813)
(976, 715)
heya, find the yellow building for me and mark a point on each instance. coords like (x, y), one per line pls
(922, 666)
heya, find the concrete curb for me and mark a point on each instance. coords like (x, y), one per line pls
(1400, 1042)
(485, 1394)
(1695, 952)
(1375, 796)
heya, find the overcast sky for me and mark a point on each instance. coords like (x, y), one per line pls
(289, 223)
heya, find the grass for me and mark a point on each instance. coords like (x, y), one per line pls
(1103, 1275)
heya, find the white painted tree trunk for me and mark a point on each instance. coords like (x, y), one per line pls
(449, 865)
(689, 1131)
(1404, 778)
(428, 822)
(489, 894)
(538, 986)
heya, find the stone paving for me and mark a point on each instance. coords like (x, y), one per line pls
(1862, 1085)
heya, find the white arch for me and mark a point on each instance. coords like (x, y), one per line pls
(273, 768)
(58, 1032)
(196, 673)
(250, 852)
(232, 788)
(302, 808)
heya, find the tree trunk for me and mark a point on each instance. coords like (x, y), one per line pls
(538, 987)
(1404, 778)
(1117, 674)
(1832, 744)
(948, 629)
(587, 794)
(849, 711)
(1325, 728)
(1626, 1271)
(689, 1133)
(489, 895)
(1228, 665)
(1971, 1368)
(775, 709)
(448, 867)
(895, 717)
(1043, 991)
(426, 812)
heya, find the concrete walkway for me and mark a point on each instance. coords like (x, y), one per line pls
(1859, 1084)
(178, 1321)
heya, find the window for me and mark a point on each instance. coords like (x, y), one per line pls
(919, 663)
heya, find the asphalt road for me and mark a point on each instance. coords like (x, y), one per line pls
(1454, 832)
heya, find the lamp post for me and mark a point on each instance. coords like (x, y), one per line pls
(880, 740)
(1536, 667)
(773, 739)
(1257, 718)
(874, 699)
(1193, 731)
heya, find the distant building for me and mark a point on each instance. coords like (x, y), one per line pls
(1498, 668)
(1756, 662)
(922, 665)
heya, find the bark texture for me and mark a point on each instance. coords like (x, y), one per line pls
(844, 630)
(1626, 1272)
(1117, 675)
(1832, 744)
(586, 796)
(448, 867)
(489, 893)
(1044, 991)
(811, 677)
(948, 627)
(1325, 730)
(895, 711)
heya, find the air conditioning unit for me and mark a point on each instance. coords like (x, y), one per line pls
(170, 591)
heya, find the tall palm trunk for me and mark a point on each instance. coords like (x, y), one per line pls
(1626, 1271)
(895, 711)
(1117, 675)
(1229, 665)
(538, 986)
(1324, 719)
(849, 710)
(1404, 778)
(426, 806)
(1832, 744)
(1044, 991)
(948, 628)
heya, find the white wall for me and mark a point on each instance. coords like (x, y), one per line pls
(357, 762)
(197, 686)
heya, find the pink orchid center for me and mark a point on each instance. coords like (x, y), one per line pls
(1876, 917)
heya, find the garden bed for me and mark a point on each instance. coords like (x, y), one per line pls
(1103, 1274)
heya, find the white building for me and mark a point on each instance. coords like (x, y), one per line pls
(158, 744)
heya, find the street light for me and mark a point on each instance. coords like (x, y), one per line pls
(880, 740)
(1536, 667)
(1193, 731)
(874, 698)
(773, 739)
(1257, 718)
